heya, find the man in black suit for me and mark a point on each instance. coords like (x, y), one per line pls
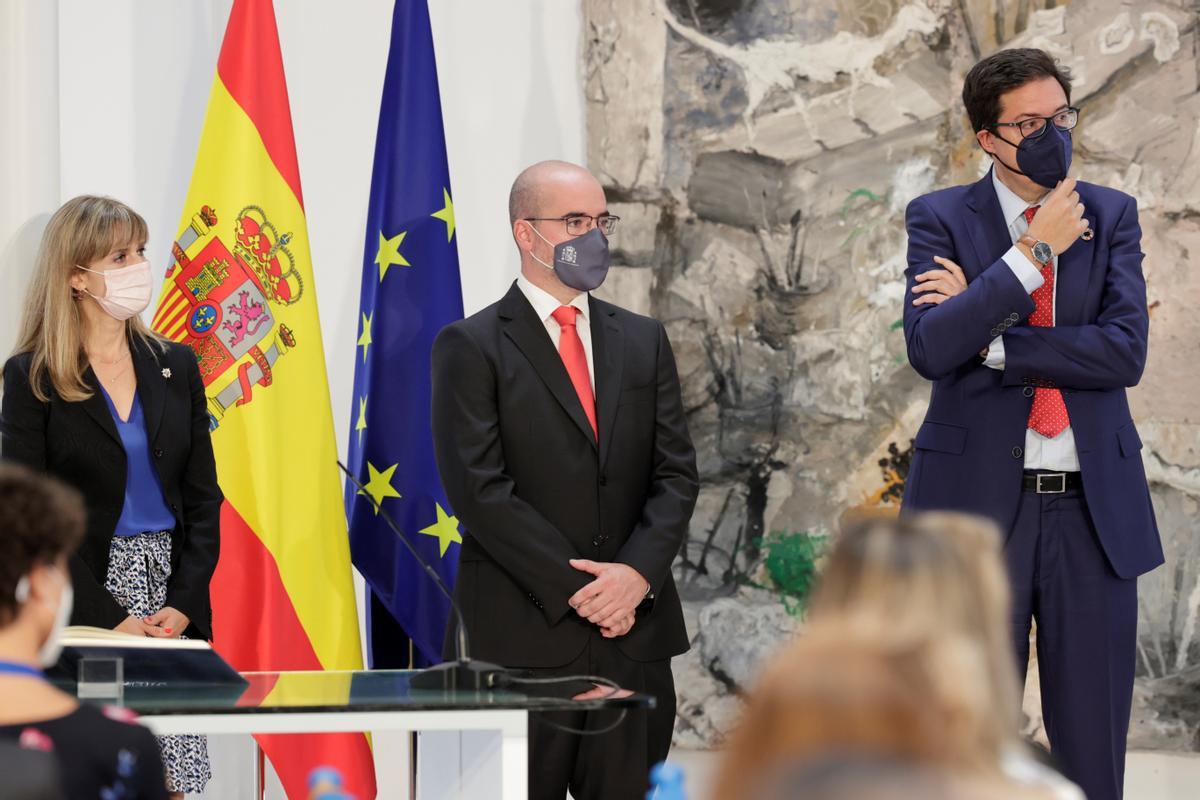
(563, 448)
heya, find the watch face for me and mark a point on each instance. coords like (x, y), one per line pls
(1043, 253)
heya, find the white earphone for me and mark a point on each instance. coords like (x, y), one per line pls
(22, 592)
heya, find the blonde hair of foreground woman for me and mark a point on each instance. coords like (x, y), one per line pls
(84, 229)
(845, 688)
(928, 575)
(906, 656)
(853, 777)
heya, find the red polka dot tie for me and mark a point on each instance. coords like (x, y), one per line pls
(570, 348)
(1048, 416)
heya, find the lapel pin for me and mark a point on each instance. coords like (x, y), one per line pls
(1088, 235)
(167, 372)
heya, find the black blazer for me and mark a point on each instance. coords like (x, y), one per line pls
(533, 489)
(78, 443)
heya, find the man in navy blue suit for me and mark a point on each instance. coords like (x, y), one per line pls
(1027, 310)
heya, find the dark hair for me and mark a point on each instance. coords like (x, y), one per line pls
(41, 519)
(1002, 72)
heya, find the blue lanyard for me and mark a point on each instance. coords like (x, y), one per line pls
(14, 668)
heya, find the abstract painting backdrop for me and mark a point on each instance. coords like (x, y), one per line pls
(761, 154)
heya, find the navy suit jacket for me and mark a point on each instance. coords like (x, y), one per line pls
(968, 453)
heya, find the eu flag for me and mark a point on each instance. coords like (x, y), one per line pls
(410, 290)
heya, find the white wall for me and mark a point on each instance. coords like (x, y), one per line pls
(109, 98)
(133, 78)
(29, 171)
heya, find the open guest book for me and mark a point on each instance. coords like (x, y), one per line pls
(147, 661)
(87, 636)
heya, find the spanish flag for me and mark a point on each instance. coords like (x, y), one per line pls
(239, 290)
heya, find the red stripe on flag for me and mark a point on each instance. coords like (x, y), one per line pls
(261, 685)
(174, 334)
(160, 314)
(294, 756)
(251, 67)
(176, 319)
(255, 627)
(173, 304)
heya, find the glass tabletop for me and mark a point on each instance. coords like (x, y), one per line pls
(357, 691)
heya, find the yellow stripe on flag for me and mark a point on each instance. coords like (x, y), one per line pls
(276, 455)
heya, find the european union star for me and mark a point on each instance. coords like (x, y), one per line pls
(410, 289)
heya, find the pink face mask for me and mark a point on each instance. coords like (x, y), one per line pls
(126, 290)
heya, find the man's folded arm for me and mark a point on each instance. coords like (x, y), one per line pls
(942, 337)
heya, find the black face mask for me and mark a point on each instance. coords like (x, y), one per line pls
(1044, 160)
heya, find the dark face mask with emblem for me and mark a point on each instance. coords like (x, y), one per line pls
(582, 262)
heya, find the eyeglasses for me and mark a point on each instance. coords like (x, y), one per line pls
(579, 224)
(1034, 127)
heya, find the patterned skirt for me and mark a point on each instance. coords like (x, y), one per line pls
(138, 569)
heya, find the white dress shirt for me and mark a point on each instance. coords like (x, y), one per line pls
(544, 305)
(1057, 454)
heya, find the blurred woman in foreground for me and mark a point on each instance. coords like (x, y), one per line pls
(100, 752)
(906, 656)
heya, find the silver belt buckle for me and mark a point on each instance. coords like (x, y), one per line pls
(1062, 482)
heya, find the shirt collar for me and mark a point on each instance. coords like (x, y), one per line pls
(544, 304)
(1011, 205)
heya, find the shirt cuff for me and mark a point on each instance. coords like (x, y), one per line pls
(995, 354)
(1029, 275)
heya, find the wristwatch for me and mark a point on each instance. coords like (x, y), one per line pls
(1042, 253)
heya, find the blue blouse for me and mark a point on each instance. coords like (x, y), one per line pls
(145, 508)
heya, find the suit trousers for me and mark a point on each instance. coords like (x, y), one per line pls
(607, 766)
(1086, 636)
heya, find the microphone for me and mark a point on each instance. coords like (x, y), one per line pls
(462, 673)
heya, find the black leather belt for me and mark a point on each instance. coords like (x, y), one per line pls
(1051, 482)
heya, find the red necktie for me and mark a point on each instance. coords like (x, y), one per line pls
(570, 348)
(1048, 416)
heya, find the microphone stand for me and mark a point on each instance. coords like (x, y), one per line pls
(463, 673)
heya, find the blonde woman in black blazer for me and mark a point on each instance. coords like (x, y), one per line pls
(94, 398)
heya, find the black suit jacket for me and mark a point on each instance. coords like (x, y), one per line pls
(78, 443)
(533, 488)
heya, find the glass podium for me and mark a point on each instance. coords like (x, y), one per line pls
(355, 701)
